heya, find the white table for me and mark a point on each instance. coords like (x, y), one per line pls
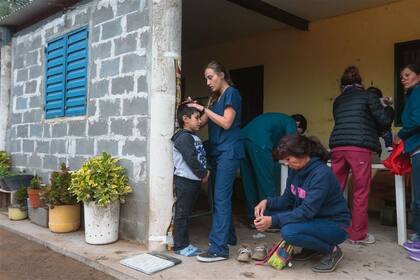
(399, 198)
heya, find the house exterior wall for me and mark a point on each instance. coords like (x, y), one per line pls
(302, 69)
(117, 119)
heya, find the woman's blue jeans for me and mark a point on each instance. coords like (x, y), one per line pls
(415, 205)
(222, 230)
(317, 235)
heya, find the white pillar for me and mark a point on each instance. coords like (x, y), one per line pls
(165, 21)
(5, 65)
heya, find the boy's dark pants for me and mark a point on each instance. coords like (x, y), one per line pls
(187, 192)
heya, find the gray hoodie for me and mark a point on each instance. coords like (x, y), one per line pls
(189, 155)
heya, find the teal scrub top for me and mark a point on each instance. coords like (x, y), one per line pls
(227, 143)
(267, 129)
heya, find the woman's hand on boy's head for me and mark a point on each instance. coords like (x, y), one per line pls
(263, 223)
(189, 100)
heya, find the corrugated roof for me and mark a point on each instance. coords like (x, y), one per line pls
(29, 11)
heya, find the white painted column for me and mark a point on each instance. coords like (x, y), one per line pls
(400, 205)
(165, 21)
(5, 65)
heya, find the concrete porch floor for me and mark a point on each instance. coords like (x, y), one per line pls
(383, 260)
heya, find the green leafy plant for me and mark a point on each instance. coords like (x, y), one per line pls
(102, 180)
(5, 164)
(58, 193)
(36, 183)
(21, 196)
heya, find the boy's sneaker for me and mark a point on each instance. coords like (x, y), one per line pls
(412, 246)
(304, 255)
(244, 253)
(329, 262)
(210, 257)
(414, 256)
(260, 252)
(369, 239)
(189, 251)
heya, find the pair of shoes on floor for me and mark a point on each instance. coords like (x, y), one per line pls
(329, 262)
(304, 255)
(209, 257)
(245, 253)
(189, 251)
(369, 239)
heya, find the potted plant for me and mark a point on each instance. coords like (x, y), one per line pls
(19, 211)
(64, 211)
(101, 184)
(11, 181)
(33, 191)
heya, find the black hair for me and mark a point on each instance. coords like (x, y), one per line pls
(351, 76)
(302, 120)
(376, 91)
(299, 146)
(413, 67)
(185, 110)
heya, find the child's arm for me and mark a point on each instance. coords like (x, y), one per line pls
(186, 146)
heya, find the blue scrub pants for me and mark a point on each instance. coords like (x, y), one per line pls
(415, 206)
(260, 176)
(222, 231)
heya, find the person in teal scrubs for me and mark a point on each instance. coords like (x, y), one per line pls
(223, 114)
(260, 173)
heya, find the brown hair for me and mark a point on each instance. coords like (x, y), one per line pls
(351, 76)
(413, 67)
(218, 68)
(300, 146)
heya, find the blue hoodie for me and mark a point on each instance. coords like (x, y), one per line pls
(410, 132)
(312, 192)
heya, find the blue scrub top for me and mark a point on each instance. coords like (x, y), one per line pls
(227, 143)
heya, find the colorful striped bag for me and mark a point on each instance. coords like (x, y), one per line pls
(279, 255)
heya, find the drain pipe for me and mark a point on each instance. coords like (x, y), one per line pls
(5, 81)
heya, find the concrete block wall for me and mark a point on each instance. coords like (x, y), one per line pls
(117, 118)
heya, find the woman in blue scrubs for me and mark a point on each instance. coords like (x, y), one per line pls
(223, 115)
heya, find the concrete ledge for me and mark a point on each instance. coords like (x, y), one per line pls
(104, 258)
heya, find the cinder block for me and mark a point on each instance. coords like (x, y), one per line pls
(111, 29)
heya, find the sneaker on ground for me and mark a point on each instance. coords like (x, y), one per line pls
(329, 262)
(304, 255)
(369, 239)
(189, 251)
(244, 253)
(413, 237)
(260, 252)
(414, 256)
(210, 257)
(412, 246)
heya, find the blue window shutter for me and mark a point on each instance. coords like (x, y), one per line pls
(55, 78)
(76, 72)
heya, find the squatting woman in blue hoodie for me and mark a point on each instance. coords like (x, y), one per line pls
(312, 213)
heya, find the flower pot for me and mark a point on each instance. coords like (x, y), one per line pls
(101, 223)
(33, 195)
(64, 218)
(16, 213)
